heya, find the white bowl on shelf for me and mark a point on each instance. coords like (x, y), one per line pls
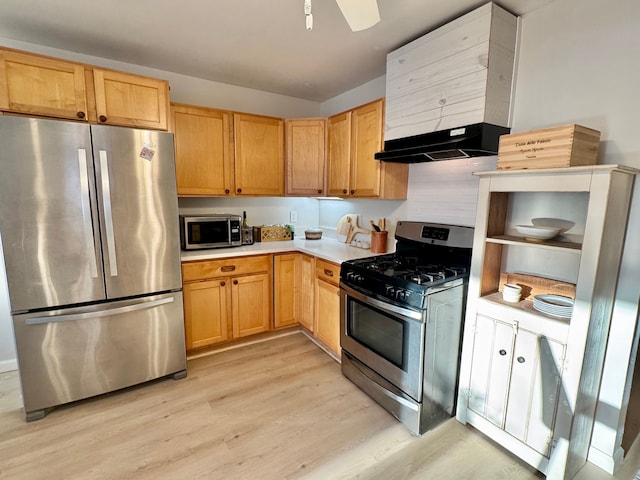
(563, 225)
(537, 233)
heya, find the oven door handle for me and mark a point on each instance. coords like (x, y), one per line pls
(387, 389)
(386, 307)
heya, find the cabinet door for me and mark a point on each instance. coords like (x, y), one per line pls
(327, 315)
(206, 312)
(204, 154)
(305, 156)
(492, 353)
(259, 155)
(42, 86)
(131, 100)
(339, 155)
(284, 279)
(251, 304)
(305, 295)
(534, 389)
(366, 140)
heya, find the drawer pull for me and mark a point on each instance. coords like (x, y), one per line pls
(328, 272)
(228, 268)
(502, 352)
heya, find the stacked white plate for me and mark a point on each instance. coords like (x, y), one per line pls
(556, 305)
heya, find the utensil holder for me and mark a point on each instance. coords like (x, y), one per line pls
(379, 242)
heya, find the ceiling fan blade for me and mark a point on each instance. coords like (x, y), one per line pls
(360, 14)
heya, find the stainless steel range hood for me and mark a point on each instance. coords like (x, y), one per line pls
(480, 139)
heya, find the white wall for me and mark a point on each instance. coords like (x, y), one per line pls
(578, 64)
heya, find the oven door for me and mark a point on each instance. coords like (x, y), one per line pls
(386, 338)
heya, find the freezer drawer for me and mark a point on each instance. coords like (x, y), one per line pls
(71, 354)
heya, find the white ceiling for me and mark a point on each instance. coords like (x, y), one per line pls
(260, 44)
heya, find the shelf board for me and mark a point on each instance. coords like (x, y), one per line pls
(546, 244)
(528, 317)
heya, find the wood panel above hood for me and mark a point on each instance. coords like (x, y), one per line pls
(456, 75)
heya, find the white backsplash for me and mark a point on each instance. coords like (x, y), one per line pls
(446, 191)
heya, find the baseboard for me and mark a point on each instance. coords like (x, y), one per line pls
(8, 365)
(608, 463)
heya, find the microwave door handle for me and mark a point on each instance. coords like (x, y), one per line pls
(108, 214)
(87, 223)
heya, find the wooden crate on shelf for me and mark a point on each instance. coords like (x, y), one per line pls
(533, 285)
(556, 147)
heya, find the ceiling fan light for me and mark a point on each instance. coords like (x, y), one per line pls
(359, 14)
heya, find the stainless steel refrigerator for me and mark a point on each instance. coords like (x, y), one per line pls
(89, 230)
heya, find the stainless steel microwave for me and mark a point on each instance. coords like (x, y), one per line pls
(210, 231)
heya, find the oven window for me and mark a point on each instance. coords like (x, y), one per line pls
(208, 232)
(379, 332)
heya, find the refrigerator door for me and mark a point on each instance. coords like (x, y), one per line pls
(138, 204)
(70, 354)
(47, 214)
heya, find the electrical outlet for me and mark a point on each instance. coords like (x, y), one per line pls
(293, 216)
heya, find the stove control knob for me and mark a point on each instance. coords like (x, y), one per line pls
(390, 291)
(402, 294)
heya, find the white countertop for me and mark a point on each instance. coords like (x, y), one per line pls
(326, 248)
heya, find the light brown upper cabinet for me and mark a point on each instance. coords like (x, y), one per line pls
(259, 155)
(306, 147)
(204, 150)
(352, 171)
(36, 85)
(130, 100)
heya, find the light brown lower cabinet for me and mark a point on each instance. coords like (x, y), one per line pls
(206, 304)
(284, 292)
(231, 298)
(293, 280)
(226, 299)
(305, 282)
(327, 301)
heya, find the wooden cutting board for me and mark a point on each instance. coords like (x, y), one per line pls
(344, 224)
(533, 285)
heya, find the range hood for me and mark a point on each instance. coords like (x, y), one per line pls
(477, 140)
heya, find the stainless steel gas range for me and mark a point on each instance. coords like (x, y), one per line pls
(401, 322)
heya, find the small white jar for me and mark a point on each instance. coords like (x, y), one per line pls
(511, 292)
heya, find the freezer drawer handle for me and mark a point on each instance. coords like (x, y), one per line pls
(86, 213)
(108, 216)
(101, 313)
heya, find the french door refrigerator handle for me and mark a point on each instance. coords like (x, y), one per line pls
(108, 215)
(89, 239)
(100, 313)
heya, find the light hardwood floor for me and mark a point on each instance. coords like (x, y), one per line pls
(275, 410)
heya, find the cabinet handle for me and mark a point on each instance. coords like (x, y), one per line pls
(222, 284)
(239, 190)
(102, 118)
(328, 272)
(502, 352)
(353, 192)
(520, 359)
(235, 282)
(228, 268)
(227, 191)
(81, 114)
(319, 190)
(344, 192)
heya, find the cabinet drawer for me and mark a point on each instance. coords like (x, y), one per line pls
(327, 271)
(226, 267)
